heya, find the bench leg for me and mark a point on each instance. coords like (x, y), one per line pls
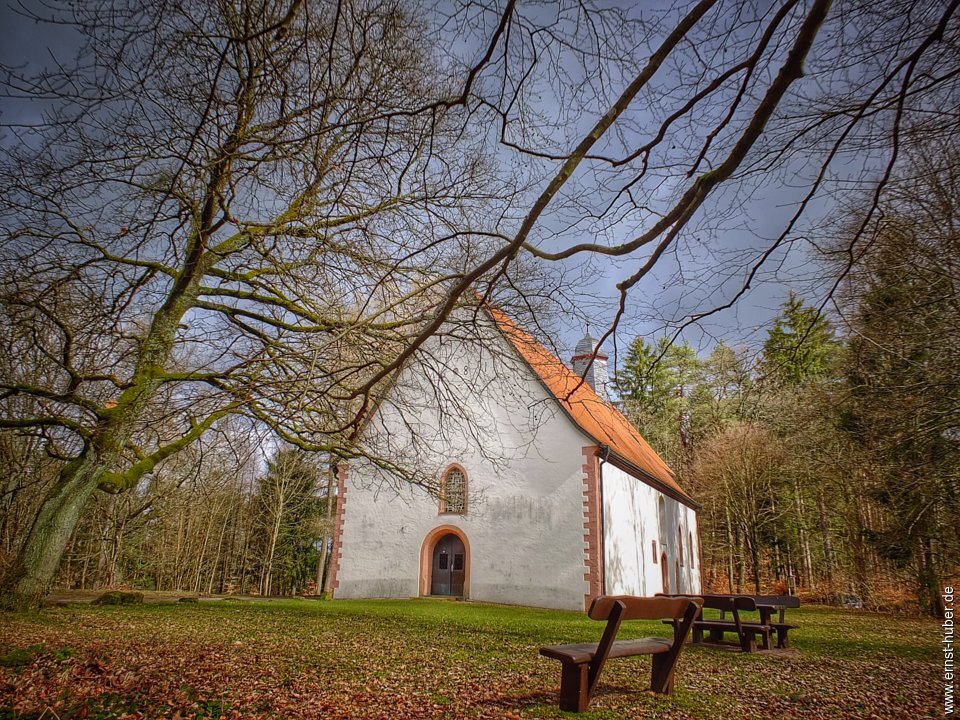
(661, 677)
(747, 642)
(781, 637)
(574, 687)
(766, 639)
(696, 635)
(716, 635)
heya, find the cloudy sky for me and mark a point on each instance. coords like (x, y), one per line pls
(705, 270)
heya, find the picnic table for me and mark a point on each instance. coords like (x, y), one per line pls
(767, 606)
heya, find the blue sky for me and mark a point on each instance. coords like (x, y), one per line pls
(702, 270)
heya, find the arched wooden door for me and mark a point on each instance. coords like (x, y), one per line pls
(665, 572)
(448, 569)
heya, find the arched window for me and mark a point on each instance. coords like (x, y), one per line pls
(680, 543)
(690, 547)
(453, 491)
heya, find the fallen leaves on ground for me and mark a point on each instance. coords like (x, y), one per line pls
(418, 659)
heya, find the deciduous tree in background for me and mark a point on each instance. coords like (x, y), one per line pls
(903, 367)
(288, 507)
(739, 470)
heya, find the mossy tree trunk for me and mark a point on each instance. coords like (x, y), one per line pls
(27, 580)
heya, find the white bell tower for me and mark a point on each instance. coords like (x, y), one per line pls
(596, 375)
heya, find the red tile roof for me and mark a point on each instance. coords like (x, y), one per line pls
(599, 420)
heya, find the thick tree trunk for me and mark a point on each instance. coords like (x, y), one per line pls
(806, 556)
(730, 547)
(827, 542)
(28, 579)
(322, 561)
(331, 515)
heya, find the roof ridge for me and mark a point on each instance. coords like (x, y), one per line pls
(595, 417)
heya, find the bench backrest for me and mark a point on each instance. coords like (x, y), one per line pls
(785, 601)
(729, 603)
(617, 608)
(642, 608)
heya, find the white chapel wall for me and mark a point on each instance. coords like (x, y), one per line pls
(523, 460)
(631, 524)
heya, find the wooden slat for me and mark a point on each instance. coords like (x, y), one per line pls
(640, 646)
(572, 653)
(641, 608)
(584, 652)
(787, 601)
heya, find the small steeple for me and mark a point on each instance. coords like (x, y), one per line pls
(596, 375)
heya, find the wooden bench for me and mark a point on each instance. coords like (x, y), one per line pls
(581, 663)
(746, 631)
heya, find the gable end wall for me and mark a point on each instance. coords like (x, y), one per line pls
(533, 520)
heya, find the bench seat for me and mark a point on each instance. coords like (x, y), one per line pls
(745, 632)
(781, 629)
(584, 652)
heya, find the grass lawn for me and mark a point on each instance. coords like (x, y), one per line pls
(434, 659)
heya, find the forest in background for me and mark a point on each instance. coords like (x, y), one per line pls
(829, 462)
(826, 463)
(211, 520)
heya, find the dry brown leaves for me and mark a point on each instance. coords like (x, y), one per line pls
(334, 660)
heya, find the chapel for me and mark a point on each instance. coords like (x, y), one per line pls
(536, 490)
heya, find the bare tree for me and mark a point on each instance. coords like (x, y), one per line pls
(738, 472)
(224, 214)
(269, 208)
(286, 500)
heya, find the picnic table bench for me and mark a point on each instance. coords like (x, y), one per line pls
(746, 631)
(582, 663)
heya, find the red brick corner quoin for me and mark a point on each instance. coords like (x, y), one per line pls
(342, 475)
(592, 530)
